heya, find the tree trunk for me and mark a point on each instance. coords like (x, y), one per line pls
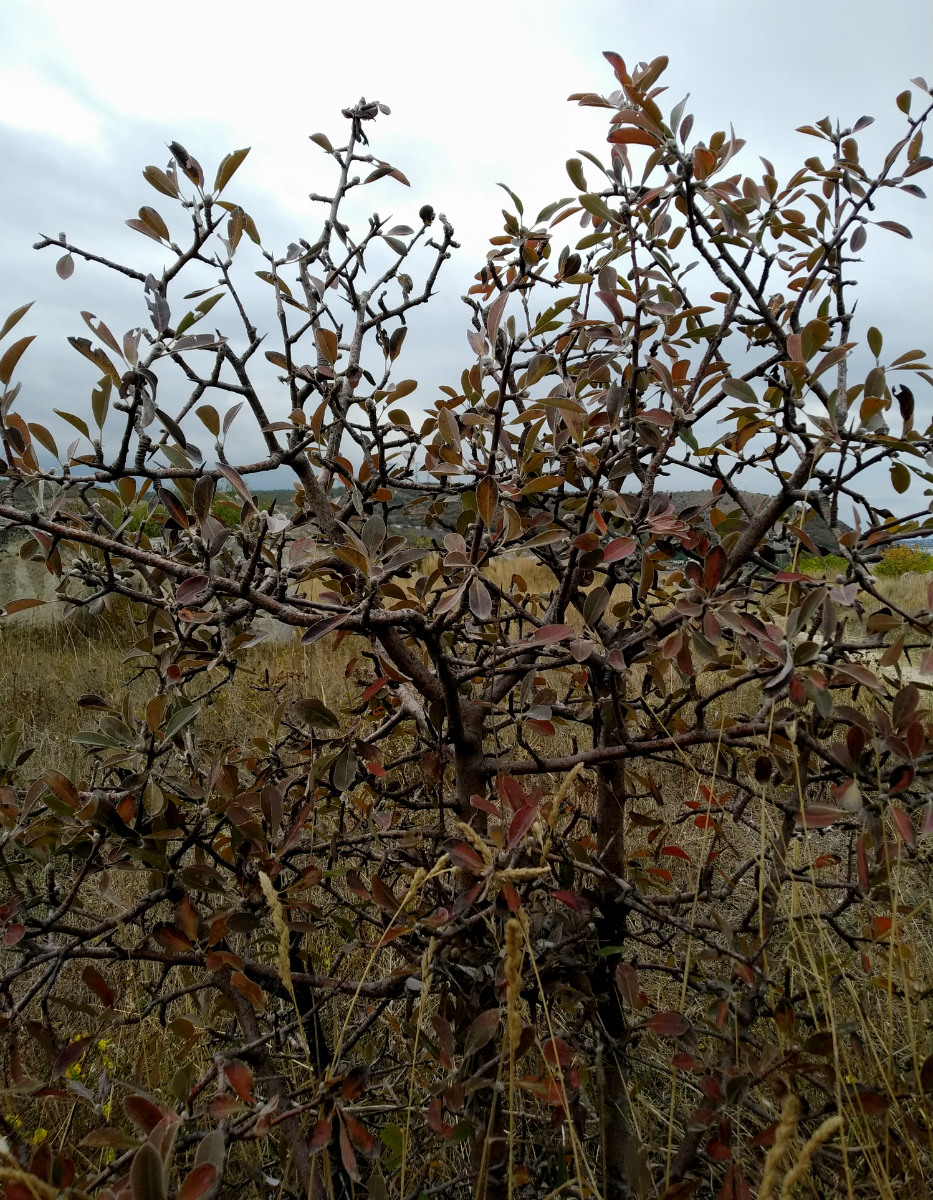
(611, 928)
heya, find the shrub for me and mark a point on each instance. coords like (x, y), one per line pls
(902, 560)
(601, 880)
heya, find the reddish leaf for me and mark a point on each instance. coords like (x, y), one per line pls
(241, 1080)
(464, 856)
(520, 824)
(170, 939)
(320, 1135)
(620, 548)
(669, 1024)
(548, 634)
(142, 1112)
(626, 978)
(246, 987)
(819, 816)
(556, 1052)
(347, 1156)
(675, 852)
(481, 1032)
(70, 1055)
(198, 1182)
(573, 900)
(359, 1135)
(383, 894)
(99, 986)
(445, 1036)
(903, 825)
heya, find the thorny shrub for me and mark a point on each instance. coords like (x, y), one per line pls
(614, 886)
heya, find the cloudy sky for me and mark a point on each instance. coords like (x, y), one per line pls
(91, 90)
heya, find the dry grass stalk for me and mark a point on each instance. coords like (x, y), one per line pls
(790, 1114)
(828, 1129)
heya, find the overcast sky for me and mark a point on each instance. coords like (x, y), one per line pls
(91, 90)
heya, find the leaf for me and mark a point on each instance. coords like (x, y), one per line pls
(619, 548)
(327, 344)
(322, 140)
(227, 168)
(12, 356)
(211, 1149)
(900, 478)
(15, 317)
(61, 785)
(147, 1174)
(481, 1032)
(549, 634)
(233, 477)
(246, 987)
(99, 986)
(241, 1080)
(738, 389)
(669, 1024)
(71, 1054)
(161, 182)
(359, 1135)
(383, 894)
(321, 628)
(521, 822)
(464, 856)
(347, 1156)
(895, 227)
(191, 588)
(479, 600)
(311, 711)
(575, 171)
(15, 606)
(819, 816)
(629, 134)
(183, 717)
(142, 1112)
(198, 1182)
(487, 497)
(626, 978)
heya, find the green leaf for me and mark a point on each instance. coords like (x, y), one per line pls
(738, 389)
(227, 168)
(183, 717)
(900, 478)
(550, 209)
(575, 171)
(598, 207)
(520, 208)
(875, 341)
(77, 422)
(147, 1174)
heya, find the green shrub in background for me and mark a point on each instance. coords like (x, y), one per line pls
(830, 563)
(895, 562)
(900, 560)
